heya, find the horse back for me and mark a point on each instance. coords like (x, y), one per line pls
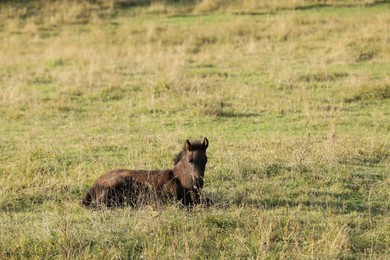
(151, 178)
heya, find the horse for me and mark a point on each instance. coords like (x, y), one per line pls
(184, 182)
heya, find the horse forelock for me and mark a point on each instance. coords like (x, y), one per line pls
(195, 145)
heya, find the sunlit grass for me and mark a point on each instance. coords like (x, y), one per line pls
(293, 96)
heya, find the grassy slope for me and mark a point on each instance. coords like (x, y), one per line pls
(295, 104)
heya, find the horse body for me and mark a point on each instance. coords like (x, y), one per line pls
(184, 182)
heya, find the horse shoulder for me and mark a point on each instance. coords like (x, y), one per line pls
(167, 180)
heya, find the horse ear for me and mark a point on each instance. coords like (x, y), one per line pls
(205, 143)
(187, 145)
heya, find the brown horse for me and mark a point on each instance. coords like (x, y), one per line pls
(184, 182)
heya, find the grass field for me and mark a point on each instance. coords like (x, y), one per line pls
(294, 97)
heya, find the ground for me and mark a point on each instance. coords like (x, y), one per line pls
(294, 97)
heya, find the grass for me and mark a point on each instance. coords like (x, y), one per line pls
(293, 96)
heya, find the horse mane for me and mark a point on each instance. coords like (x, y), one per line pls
(195, 145)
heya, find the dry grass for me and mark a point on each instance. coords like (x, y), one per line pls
(294, 99)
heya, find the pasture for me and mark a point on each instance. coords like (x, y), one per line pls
(293, 96)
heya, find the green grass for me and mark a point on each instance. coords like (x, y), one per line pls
(293, 97)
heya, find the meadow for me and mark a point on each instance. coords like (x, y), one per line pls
(293, 96)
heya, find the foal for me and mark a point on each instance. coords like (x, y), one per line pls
(184, 182)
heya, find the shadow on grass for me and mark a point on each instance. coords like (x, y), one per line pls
(38, 201)
(232, 114)
(23, 204)
(312, 7)
(352, 197)
(341, 207)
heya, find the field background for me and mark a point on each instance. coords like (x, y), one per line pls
(294, 97)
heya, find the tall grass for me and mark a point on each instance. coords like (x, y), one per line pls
(293, 96)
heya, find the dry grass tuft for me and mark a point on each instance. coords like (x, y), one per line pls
(293, 96)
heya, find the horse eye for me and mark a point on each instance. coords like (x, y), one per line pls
(191, 160)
